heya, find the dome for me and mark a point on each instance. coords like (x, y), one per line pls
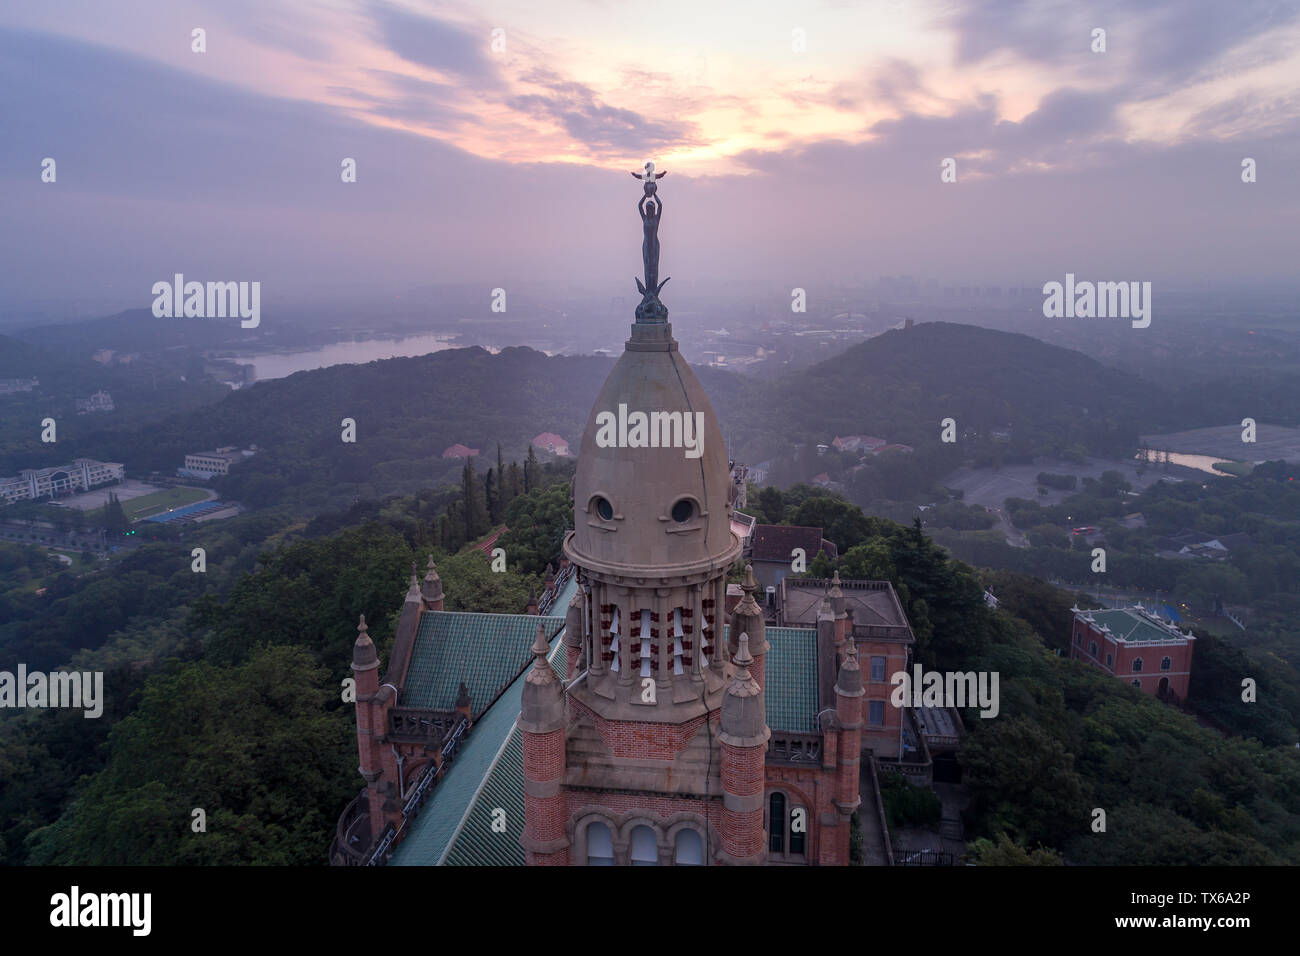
(652, 491)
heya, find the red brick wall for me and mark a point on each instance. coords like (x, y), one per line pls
(626, 738)
(880, 739)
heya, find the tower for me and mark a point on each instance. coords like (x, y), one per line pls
(652, 543)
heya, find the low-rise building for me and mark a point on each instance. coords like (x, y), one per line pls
(459, 451)
(205, 464)
(9, 385)
(772, 552)
(101, 401)
(549, 441)
(1136, 646)
(83, 473)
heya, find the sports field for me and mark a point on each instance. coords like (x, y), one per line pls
(137, 509)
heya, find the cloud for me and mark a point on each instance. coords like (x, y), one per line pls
(1162, 43)
(436, 44)
(604, 130)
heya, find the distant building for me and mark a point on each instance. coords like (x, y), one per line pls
(1197, 544)
(773, 545)
(990, 600)
(83, 473)
(101, 401)
(11, 385)
(205, 464)
(1136, 646)
(552, 443)
(857, 443)
(459, 451)
(103, 356)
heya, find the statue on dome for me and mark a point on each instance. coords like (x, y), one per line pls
(651, 208)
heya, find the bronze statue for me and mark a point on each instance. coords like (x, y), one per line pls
(651, 208)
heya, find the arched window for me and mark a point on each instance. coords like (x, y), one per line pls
(690, 848)
(798, 830)
(600, 845)
(1166, 663)
(776, 823)
(1137, 684)
(645, 849)
(1109, 660)
(1092, 648)
(1137, 665)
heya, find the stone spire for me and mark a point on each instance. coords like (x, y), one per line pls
(836, 595)
(364, 655)
(744, 715)
(432, 587)
(542, 710)
(747, 618)
(413, 592)
(532, 602)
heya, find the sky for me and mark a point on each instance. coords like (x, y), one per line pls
(493, 142)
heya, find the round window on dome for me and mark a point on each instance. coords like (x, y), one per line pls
(604, 509)
(683, 511)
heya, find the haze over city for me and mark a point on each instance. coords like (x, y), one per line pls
(509, 165)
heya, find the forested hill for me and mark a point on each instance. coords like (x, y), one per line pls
(901, 384)
(406, 410)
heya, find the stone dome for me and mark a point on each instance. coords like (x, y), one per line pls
(640, 506)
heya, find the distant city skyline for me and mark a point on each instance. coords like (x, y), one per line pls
(510, 165)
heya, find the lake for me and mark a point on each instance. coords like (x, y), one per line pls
(279, 364)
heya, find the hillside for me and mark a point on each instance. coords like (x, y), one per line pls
(901, 384)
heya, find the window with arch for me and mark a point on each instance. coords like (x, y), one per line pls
(644, 850)
(1092, 648)
(776, 823)
(1137, 684)
(1166, 663)
(688, 849)
(1109, 660)
(1078, 638)
(645, 648)
(787, 827)
(600, 845)
(1137, 665)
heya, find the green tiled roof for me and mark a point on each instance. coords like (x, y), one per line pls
(455, 825)
(486, 651)
(791, 684)
(1131, 626)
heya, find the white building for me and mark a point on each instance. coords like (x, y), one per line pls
(216, 462)
(83, 473)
